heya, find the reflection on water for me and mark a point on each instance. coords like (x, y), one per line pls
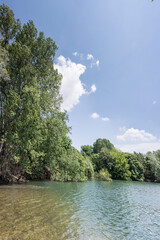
(89, 210)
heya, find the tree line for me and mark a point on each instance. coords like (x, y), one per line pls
(34, 142)
(108, 162)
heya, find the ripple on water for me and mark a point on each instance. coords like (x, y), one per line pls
(90, 210)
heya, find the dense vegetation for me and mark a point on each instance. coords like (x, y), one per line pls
(33, 131)
(34, 142)
(119, 165)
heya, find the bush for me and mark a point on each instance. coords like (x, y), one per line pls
(103, 175)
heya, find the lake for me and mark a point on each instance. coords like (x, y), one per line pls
(87, 210)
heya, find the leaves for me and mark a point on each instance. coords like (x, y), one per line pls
(37, 130)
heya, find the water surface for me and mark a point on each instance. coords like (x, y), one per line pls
(90, 210)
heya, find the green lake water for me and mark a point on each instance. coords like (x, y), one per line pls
(89, 210)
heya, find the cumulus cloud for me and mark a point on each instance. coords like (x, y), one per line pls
(136, 140)
(132, 134)
(139, 147)
(95, 115)
(105, 119)
(71, 88)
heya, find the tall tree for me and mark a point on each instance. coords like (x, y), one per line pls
(87, 150)
(120, 169)
(33, 130)
(102, 143)
(135, 167)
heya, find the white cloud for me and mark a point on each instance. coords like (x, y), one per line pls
(93, 88)
(106, 119)
(75, 54)
(95, 115)
(136, 135)
(139, 147)
(71, 88)
(138, 141)
(90, 57)
(94, 62)
(154, 102)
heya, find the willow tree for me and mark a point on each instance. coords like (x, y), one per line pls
(33, 130)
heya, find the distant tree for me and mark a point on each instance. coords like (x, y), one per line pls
(120, 169)
(103, 175)
(157, 155)
(102, 143)
(96, 161)
(72, 166)
(102, 160)
(152, 167)
(106, 159)
(135, 167)
(86, 150)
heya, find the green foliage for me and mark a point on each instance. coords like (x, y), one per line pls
(3, 64)
(33, 131)
(8, 25)
(103, 159)
(89, 170)
(34, 138)
(135, 167)
(103, 175)
(120, 169)
(72, 166)
(86, 150)
(157, 155)
(152, 166)
(106, 159)
(102, 143)
(96, 161)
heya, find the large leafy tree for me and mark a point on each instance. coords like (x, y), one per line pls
(33, 130)
(72, 166)
(152, 166)
(102, 160)
(120, 169)
(86, 150)
(135, 167)
(102, 143)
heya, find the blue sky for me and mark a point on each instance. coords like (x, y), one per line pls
(109, 55)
